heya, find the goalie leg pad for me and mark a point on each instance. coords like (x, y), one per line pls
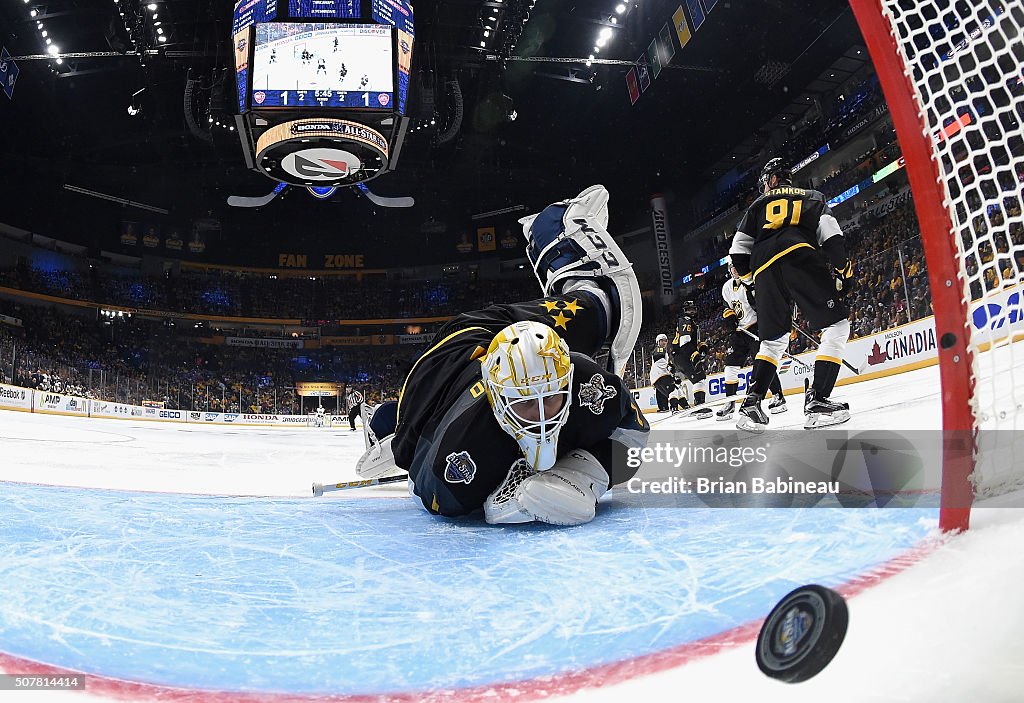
(565, 494)
(569, 242)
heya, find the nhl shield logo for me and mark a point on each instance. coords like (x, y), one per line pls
(594, 393)
(459, 468)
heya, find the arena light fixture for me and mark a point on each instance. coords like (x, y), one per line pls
(32, 13)
(161, 39)
(605, 33)
(620, 8)
(151, 6)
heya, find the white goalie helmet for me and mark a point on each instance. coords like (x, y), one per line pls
(528, 377)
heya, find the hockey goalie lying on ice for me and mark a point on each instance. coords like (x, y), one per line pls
(507, 411)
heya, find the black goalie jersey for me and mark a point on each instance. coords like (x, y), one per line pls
(447, 437)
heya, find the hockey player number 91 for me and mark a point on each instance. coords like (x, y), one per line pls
(777, 211)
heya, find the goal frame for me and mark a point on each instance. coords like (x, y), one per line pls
(949, 301)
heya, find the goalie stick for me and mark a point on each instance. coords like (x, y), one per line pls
(319, 489)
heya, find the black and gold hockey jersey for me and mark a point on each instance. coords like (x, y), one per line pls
(447, 437)
(778, 223)
(687, 332)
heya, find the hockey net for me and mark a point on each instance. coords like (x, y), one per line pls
(325, 422)
(951, 71)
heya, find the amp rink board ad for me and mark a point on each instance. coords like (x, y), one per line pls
(892, 351)
(59, 404)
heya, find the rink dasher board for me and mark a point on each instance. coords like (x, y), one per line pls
(906, 347)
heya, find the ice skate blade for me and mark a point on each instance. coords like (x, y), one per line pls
(702, 414)
(724, 418)
(818, 420)
(778, 409)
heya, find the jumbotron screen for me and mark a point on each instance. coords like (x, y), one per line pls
(323, 65)
(323, 9)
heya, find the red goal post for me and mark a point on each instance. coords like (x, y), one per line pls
(950, 71)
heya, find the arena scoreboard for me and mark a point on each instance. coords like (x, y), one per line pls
(322, 87)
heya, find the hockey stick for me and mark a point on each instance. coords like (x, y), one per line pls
(259, 201)
(319, 489)
(811, 339)
(383, 201)
(785, 354)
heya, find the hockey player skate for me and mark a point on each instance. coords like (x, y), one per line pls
(823, 412)
(570, 249)
(702, 413)
(752, 418)
(777, 405)
(726, 412)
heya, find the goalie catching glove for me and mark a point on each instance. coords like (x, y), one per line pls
(565, 494)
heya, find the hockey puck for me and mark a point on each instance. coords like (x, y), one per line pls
(802, 634)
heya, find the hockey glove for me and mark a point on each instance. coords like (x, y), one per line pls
(732, 320)
(844, 278)
(750, 292)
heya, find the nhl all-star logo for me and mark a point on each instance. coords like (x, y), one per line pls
(594, 393)
(459, 468)
(321, 164)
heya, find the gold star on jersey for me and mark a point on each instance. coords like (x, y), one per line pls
(558, 308)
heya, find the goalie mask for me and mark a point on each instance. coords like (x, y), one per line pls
(528, 377)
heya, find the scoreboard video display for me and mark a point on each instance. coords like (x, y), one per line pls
(323, 65)
(323, 9)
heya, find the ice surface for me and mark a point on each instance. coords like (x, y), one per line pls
(349, 595)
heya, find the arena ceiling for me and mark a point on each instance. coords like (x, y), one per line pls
(69, 124)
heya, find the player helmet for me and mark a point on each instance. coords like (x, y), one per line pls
(661, 338)
(528, 378)
(774, 167)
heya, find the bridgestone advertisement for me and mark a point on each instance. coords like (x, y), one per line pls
(663, 247)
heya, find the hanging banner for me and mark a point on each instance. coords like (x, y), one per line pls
(8, 73)
(682, 27)
(663, 247)
(317, 390)
(485, 239)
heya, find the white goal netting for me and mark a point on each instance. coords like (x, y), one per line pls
(965, 60)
